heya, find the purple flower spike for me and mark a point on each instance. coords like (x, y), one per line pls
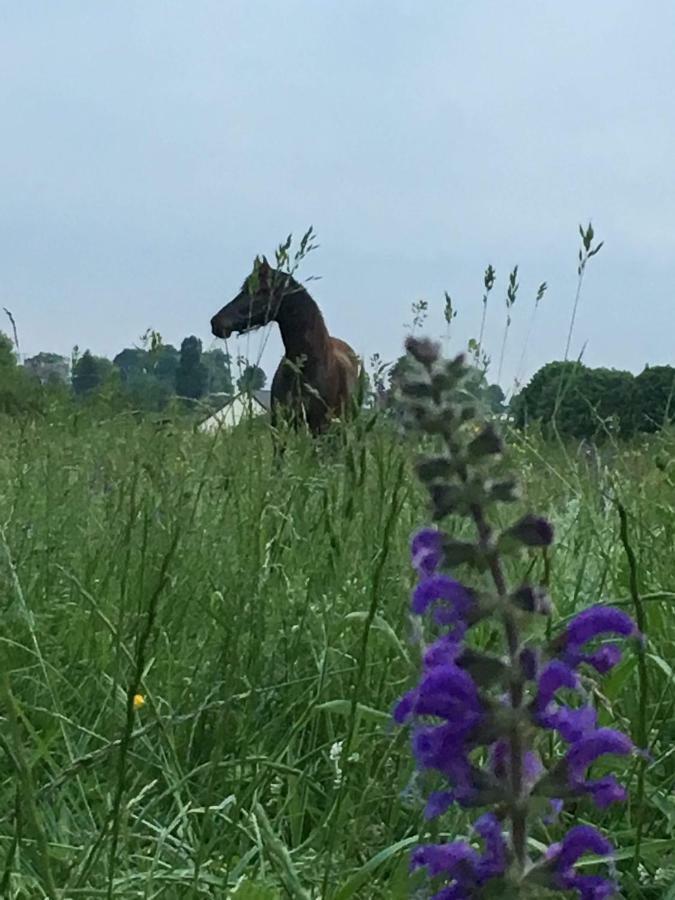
(584, 752)
(426, 549)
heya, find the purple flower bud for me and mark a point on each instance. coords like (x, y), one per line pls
(426, 549)
(529, 663)
(533, 531)
(532, 599)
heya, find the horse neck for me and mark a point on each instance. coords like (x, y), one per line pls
(302, 327)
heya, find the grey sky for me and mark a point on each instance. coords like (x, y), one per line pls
(150, 149)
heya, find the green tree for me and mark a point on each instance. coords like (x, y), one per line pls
(655, 397)
(191, 375)
(90, 373)
(7, 356)
(164, 361)
(218, 366)
(131, 362)
(49, 368)
(578, 401)
(251, 379)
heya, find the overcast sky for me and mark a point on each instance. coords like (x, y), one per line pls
(149, 150)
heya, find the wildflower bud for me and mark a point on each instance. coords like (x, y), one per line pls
(503, 491)
(532, 531)
(423, 350)
(446, 499)
(457, 553)
(417, 388)
(484, 668)
(532, 599)
(433, 468)
(486, 443)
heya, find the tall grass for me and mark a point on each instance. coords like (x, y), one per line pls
(264, 621)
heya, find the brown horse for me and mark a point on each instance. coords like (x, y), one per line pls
(318, 375)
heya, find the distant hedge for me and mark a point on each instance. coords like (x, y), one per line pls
(587, 403)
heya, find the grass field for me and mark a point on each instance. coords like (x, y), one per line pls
(265, 623)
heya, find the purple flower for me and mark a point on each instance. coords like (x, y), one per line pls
(456, 599)
(445, 691)
(446, 649)
(586, 750)
(494, 859)
(426, 549)
(571, 724)
(463, 867)
(438, 803)
(500, 757)
(443, 749)
(605, 791)
(561, 858)
(597, 620)
(590, 624)
(552, 678)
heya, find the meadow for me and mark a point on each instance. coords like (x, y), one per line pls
(199, 657)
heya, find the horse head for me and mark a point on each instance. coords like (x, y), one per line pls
(256, 304)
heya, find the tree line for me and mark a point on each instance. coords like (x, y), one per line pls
(577, 401)
(146, 378)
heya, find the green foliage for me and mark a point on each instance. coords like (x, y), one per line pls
(218, 367)
(277, 594)
(251, 379)
(90, 373)
(655, 397)
(581, 402)
(191, 374)
(49, 367)
(7, 356)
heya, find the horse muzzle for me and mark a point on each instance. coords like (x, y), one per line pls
(219, 329)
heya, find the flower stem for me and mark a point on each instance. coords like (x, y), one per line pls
(518, 813)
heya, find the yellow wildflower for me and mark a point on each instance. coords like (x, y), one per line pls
(139, 701)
